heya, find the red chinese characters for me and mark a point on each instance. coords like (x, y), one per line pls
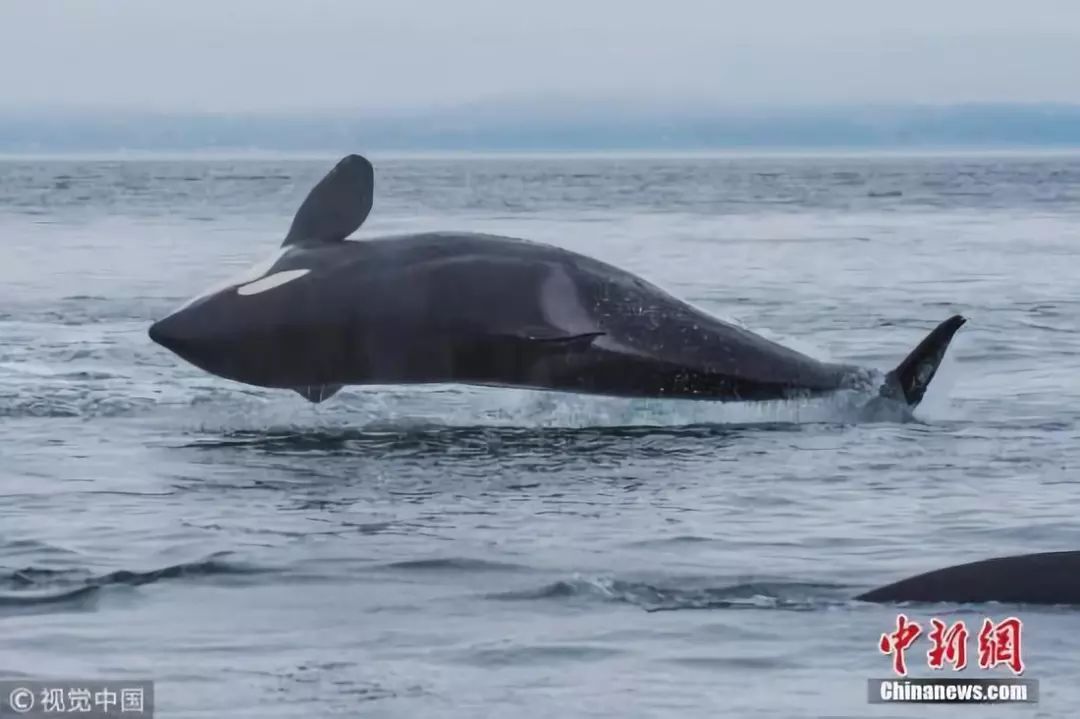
(898, 642)
(1000, 644)
(947, 645)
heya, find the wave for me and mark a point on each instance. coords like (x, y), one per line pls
(752, 595)
(96, 383)
(382, 410)
(32, 587)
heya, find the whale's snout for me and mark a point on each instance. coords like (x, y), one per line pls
(159, 333)
(170, 333)
(187, 334)
(243, 338)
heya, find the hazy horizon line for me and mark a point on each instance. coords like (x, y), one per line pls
(259, 154)
(679, 104)
(509, 127)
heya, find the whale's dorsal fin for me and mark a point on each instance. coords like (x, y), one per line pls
(335, 207)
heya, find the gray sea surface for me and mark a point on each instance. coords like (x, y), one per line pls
(445, 551)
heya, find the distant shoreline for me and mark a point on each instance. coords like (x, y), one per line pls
(751, 153)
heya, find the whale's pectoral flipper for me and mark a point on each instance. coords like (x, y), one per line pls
(499, 353)
(560, 340)
(318, 392)
(908, 382)
(535, 343)
(337, 206)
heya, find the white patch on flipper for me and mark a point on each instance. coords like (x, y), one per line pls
(249, 275)
(270, 282)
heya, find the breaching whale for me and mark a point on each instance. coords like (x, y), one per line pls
(454, 307)
(1043, 578)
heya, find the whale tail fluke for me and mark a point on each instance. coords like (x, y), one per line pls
(908, 382)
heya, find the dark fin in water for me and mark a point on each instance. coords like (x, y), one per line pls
(335, 207)
(908, 382)
(1042, 578)
(318, 392)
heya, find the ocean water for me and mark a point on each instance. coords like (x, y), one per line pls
(457, 552)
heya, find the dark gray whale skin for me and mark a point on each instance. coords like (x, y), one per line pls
(1044, 578)
(457, 307)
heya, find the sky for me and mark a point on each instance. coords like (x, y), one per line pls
(317, 56)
